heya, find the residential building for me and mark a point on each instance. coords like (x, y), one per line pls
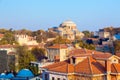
(85, 65)
(9, 48)
(58, 52)
(104, 34)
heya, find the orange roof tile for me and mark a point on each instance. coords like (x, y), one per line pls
(55, 65)
(58, 46)
(83, 52)
(115, 68)
(89, 66)
(102, 56)
(65, 68)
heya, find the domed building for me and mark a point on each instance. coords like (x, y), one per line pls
(70, 24)
(68, 29)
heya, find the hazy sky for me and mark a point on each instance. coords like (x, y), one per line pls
(43, 14)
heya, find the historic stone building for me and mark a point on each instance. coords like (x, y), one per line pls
(67, 29)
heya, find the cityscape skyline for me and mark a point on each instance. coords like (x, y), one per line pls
(34, 15)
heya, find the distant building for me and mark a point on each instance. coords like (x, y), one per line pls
(104, 34)
(24, 39)
(9, 48)
(67, 29)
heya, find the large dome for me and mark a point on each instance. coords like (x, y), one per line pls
(68, 23)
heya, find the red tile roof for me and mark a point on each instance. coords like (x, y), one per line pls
(65, 68)
(59, 46)
(55, 65)
(83, 52)
(89, 66)
(102, 56)
(115, 68)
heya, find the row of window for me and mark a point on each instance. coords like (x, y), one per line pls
(53, 78)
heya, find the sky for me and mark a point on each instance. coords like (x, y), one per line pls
(43, 14)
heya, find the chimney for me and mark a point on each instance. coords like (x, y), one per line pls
(108, 69)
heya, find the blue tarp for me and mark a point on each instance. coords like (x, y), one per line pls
(117, 37)
(2, 75)
(25, 73)
(10, 75)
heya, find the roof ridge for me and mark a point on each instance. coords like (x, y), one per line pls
(91, 70)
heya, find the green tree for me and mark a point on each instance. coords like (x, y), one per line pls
(3, 31)
(24, 57)
(40, 35)
(87, 33)
(60, 40)
(24, 31)
(85, 45)
(8, 38)
(116, 46)
(34, 69)
(39, 53)
(51, 34)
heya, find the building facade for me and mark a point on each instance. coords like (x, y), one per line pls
(57, 52)
(24, 39)
(67, 29)
(85, 66)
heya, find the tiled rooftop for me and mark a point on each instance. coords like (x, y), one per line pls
(89, 66)
(59, 46)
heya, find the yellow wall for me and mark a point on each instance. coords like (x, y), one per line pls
(71, 77)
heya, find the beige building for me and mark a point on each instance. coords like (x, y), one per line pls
(9, 48)
(58, 52)
(68, 29)
(24, 39)
(104, 34)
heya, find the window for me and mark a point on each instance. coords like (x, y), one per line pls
(114, 60)
(53, 78)
(73, 60)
